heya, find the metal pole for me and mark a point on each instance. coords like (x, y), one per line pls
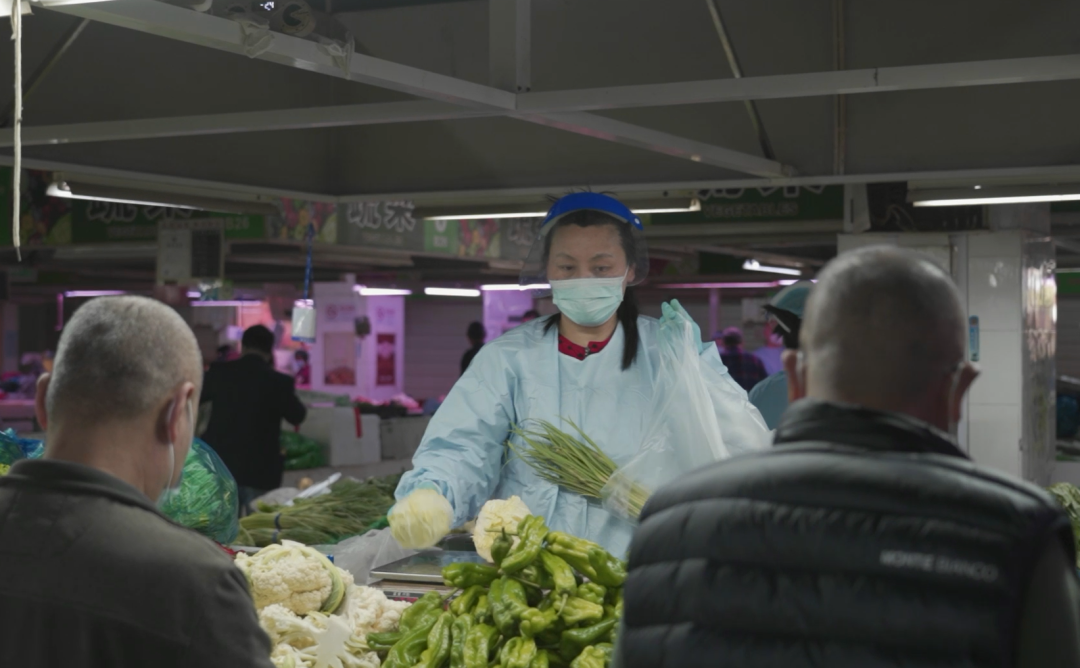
(58, 51)
(840, 102)
(714, 311)
(736, 71)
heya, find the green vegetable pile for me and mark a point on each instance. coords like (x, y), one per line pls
(551, 600)
(1069, 498)
(4, 468)
(207, 500)
(301, 452)
(351, 508)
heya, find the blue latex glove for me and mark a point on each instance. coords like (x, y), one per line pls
(673, 310)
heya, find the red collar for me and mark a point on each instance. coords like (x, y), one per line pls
(571, 349)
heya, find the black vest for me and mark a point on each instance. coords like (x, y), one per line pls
(863, 539)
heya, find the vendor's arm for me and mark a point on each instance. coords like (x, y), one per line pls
(462, 450)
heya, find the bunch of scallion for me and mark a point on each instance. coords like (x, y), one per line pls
(349, 509)
(573, 462)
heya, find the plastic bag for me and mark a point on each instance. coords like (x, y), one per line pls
(699, 416)
(361, 554)
(13, 448)
(207, 500)
(301, 452)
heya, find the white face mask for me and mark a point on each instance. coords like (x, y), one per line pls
(589, 302)
(173, 488)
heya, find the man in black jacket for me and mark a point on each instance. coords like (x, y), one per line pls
(248, 400)
(93, 575)
(865, 537)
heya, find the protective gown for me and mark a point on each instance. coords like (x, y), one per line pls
(522, 376)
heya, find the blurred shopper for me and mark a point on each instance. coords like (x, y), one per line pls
(248, 401)
(865, 537)
(746, 368)
(476, 334)
(770, 354)
(95, 576)
(302, 368)
(770, 396)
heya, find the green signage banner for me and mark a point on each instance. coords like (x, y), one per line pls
(751, 204)
(58, 221)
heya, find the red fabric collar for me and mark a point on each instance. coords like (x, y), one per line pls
(571, 349)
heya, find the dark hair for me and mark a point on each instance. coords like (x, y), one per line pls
(628, 310)
(531, 313)
(259, 339)
(301, 355)
(476, 332)
(732, 337)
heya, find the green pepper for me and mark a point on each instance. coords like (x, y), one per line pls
(592, 592)
(536, 576)
(458, 632)
(438, 643)
(579, 611)
(383, 642)
(541, 659)
(535, 621)
(407, 651)
(467, 574)
(610, 572)
(518, 653)
(429, 601)
(562, 576)
(595, 656)
(575, 640)
(573, 550)
(464, 603)
(508, 601)
(501, 547)
(482, 612)
(531, 534)
(479, 642)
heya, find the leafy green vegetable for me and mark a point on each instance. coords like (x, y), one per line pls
(1069, 498)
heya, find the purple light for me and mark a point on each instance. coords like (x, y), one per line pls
(709, 286)
(226, 303)
(76, 294)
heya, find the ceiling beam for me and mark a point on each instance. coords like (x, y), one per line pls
(510, 44)
(247, 121)
(185, 25)
(610, 129)
(158, 18)
(813, 84)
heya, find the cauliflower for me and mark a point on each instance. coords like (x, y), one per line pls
(367, 610)
(495, 516)
(313, 641)
(294, 576)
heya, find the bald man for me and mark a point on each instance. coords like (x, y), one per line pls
(865, 537)
(93, 576)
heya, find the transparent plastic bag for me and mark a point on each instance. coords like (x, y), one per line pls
(13, 448)
(361, 554)
(699, 416)
(207, 500)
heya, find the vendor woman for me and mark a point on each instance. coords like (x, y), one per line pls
(593, 363)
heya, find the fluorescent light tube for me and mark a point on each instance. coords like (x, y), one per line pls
(75, 294)
(754, 265)
(62, 190)
(511, 287)
(381, 292)
(451, 292)
(1020, 199)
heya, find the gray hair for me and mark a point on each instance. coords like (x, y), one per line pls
(120, 357)
(882, 324)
